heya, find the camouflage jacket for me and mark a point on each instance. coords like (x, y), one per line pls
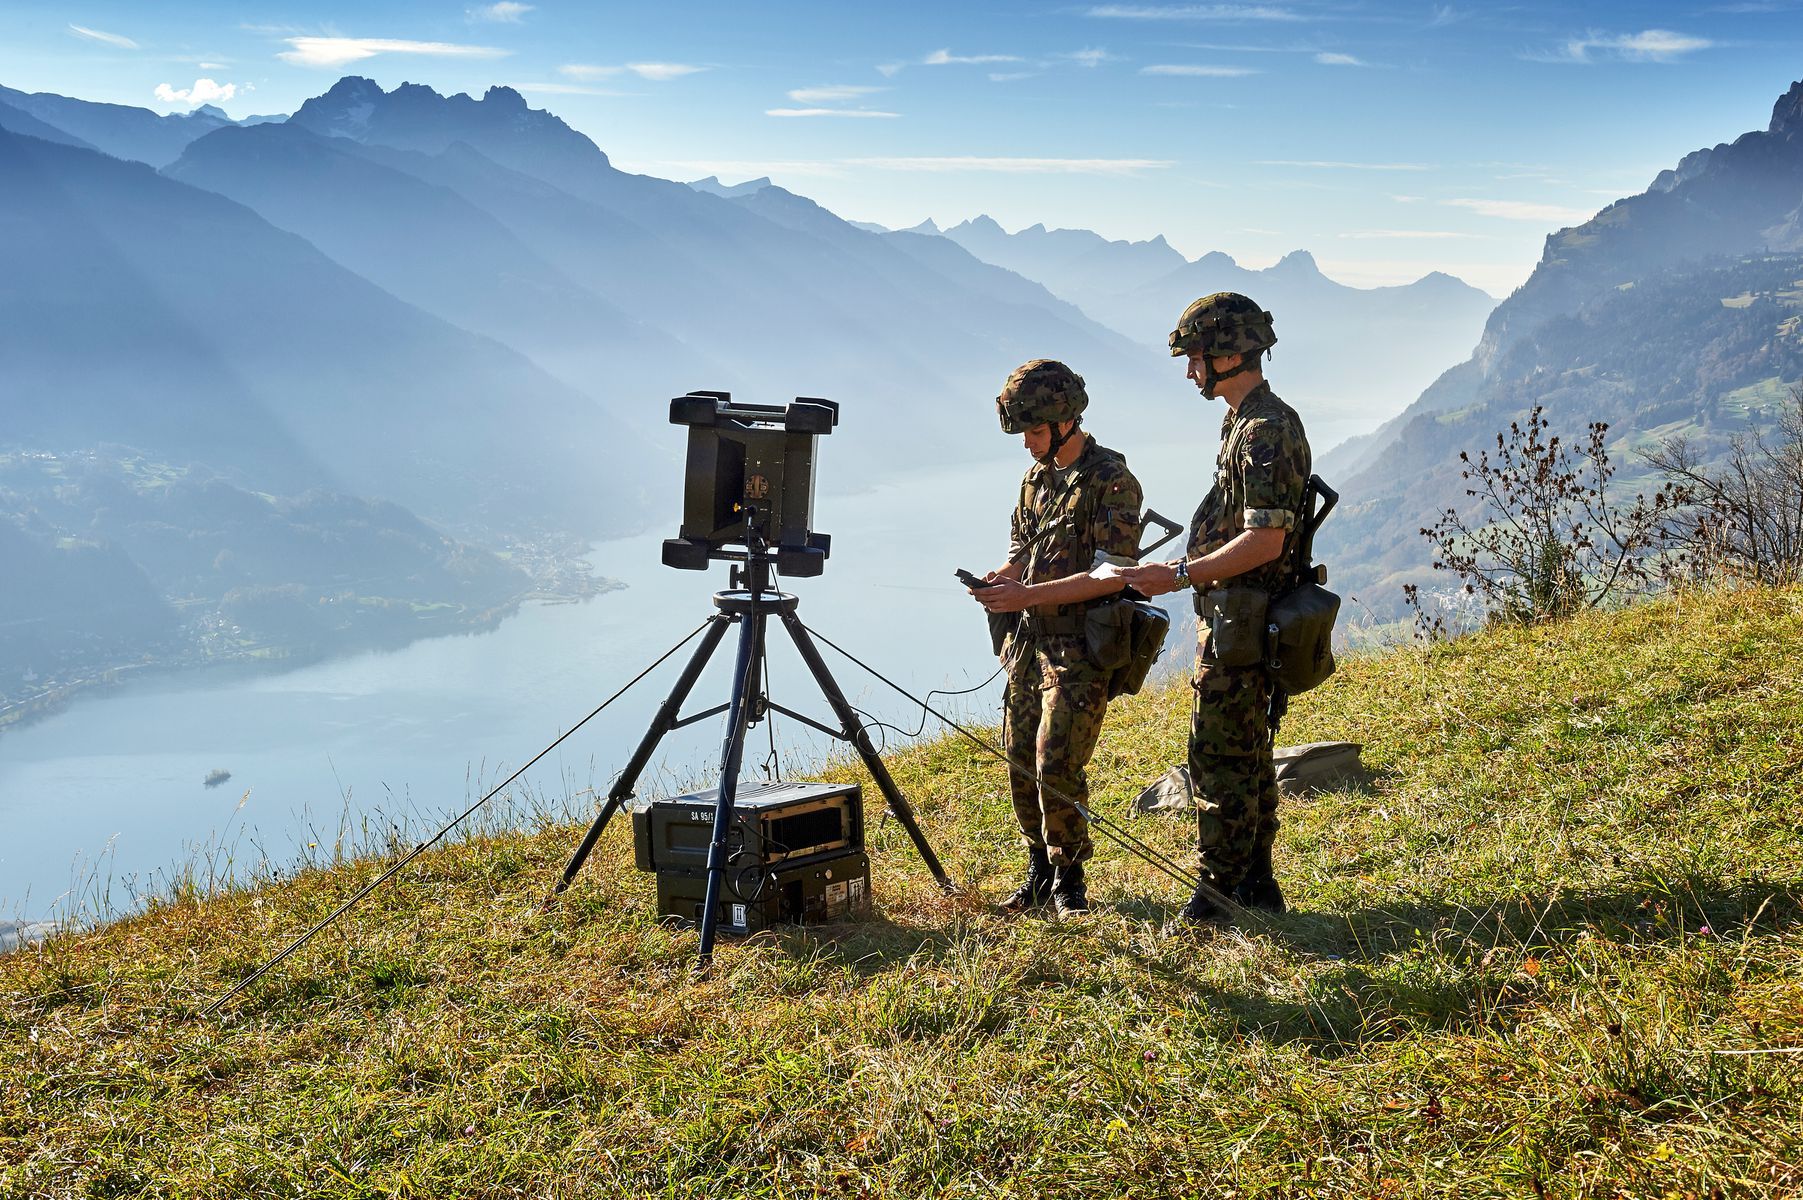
(1059, 524)
(1261, 476)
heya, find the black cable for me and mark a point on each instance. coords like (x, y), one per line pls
(414, 853)
(922, 727)
(1126, 840)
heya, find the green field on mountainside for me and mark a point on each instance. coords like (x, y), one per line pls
(1551, 947)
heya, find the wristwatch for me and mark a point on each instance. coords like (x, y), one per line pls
(1182, 580)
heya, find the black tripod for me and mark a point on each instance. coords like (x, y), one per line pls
(750, 607)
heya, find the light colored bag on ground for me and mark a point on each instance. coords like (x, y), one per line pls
(1312, 766)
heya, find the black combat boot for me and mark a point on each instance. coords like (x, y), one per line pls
(1036, 889)
(1069, 892)
(1203, 911)
(1259, 888)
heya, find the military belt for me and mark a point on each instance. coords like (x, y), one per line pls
(1064, 624)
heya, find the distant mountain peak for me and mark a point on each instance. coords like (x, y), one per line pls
(984, 224)
(1787, 113)
(504, 96)
(210, 111)
(415, 117)
(926, 226)
(1297, 262)
(355, 87)
(713, 187)
(1217, 259)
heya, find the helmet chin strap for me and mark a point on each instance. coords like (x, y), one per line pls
(1211, 378)
(1050, 457)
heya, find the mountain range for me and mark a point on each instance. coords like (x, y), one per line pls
(1139, 288)
(1675, 311)
(459, 308)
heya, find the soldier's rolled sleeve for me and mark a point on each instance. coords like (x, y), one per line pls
(1268, 518)
(1116, 524)
(1273, 466)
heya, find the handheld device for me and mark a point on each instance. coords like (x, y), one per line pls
(971, 581)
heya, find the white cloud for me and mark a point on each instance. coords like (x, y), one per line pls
(1525, 210)
(565, 89)
(204, 91)
(829, 95)
(940, 58)
(658, 72)
(1194, 12)
(1649, 45)
(506, 12)
(1329, 165)
(1010, 76)
(1092, 56)
(1331, 59)
(338, 51)
(1201, 72)
(890, 70)
(826, 112)
(209, 66)
(1019, 166)
(96, 35)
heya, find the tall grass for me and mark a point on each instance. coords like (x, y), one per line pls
(1551, 947)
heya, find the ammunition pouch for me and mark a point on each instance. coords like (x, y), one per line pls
(1145, 626)
(1108, 634)
(1235, 620)
(1001, 625)
(1299, 651)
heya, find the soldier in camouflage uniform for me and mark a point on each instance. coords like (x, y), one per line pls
(1243, 536)
(1077, 500)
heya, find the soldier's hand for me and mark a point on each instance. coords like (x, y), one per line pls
(1151, 579)
(1008, 595)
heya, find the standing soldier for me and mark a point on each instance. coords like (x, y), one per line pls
(1077, 500)
(1242, 536)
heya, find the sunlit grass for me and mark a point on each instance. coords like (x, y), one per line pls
(1551, 947)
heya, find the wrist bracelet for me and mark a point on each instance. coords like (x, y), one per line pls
(1182, 573)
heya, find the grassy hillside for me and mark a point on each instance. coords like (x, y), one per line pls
(1552, 948)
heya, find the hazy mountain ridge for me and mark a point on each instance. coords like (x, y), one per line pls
(1659, 316)
(392, 226)
(324, 380)
(133, 562)
(118, 129)
(1138, 289)
(738, 277)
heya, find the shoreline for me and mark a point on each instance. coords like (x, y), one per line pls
(270, 658)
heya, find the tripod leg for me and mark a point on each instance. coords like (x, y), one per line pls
(859, 737)
(661, 724)
(751, 638)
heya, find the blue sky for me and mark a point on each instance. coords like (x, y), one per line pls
(1389, 139)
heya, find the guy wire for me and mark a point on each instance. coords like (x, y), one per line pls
(414, 853)
(1126, 840)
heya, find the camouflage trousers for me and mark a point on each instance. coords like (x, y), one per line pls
(1052, 718)
(1231, 771)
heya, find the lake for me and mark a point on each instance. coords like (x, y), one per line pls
(101, 801)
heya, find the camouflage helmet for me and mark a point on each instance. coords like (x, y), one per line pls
(1042, 392)
(1222, 324)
